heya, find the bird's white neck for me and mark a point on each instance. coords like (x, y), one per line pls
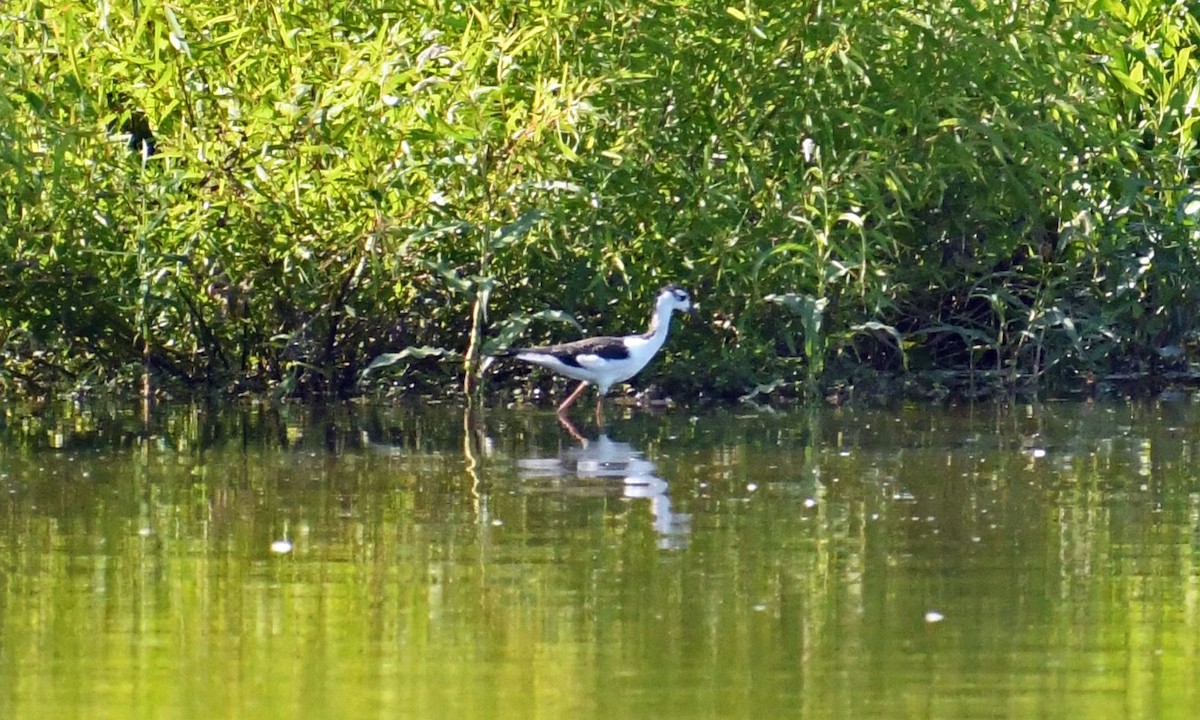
(660, 324)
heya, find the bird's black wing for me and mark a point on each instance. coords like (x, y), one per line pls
(608, 348)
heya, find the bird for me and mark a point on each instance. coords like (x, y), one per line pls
(606, 361)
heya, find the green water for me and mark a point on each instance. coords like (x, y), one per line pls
(357, 562)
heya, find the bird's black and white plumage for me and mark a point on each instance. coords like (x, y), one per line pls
(606, 361)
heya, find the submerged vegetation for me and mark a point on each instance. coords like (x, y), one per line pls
(267, 196)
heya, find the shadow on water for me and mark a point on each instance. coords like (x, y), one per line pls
(347, 561)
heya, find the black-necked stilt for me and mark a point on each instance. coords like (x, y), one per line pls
(606, 361)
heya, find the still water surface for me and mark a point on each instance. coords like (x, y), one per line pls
(365, 562)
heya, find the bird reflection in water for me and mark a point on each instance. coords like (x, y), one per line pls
(604, 460)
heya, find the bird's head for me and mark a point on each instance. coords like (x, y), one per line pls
(674, 297)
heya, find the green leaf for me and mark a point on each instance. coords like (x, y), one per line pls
(810, 309)
(455, 282)
(408, 355)
(456, 226)
(1130, 84)
(510, 233)
(176, 36)
(875, 326)
(762, 389)
(799, 248)
(1182, 64)
(512, 326)
(1189, 209)
(852, 218)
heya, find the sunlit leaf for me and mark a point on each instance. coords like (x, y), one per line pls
(762, 389)
(1189, 209)
(176, 36)
(408, 355)
(853, 218)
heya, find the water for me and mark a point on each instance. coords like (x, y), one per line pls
(913, 562)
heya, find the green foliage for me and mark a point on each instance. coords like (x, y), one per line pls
(272, 194)
(301, 157)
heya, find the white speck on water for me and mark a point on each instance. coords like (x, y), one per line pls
(145, 532)
(751, 487)
(933, 616)
(497, 522)
(1038, 452)
(760, 607)
(844, 453)
(810, 502)
(281, 547)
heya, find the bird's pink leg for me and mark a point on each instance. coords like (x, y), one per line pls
(600, 410)
(566, 423)
(562, 409)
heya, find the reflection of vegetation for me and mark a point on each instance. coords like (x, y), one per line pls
(271, 195)
(1064, 578)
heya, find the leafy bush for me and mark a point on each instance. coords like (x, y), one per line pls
(270, 195)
